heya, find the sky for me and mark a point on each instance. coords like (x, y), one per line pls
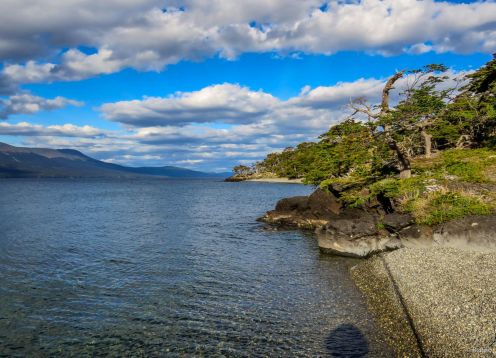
(211, 84)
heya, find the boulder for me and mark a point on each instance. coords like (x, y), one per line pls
(306, 212)
(352, 224)
(324, 204)
(396, 221)
(469, 233)
(355, 233)
(361, 247)
(295, 203)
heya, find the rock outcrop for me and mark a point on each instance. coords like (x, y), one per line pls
(304, 212)
(375, 227)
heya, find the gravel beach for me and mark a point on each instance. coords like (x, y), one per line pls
(433, 302)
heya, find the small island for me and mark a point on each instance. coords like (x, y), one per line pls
(417, 178)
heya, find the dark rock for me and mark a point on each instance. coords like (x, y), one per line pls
(306, 212)
(468, 233)
(355, 231)
(396, 221)
(338, 188)
(234, 179)
(299, 203)
(353, 224)
(323, 203)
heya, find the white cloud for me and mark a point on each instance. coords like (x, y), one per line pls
(64, 130)
(251, 112)
(26, 103)
(226, 103)
(242, 125)
(151, 34)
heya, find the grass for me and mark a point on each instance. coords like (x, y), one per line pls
(469, 165)
(438, 207)
(432, 195)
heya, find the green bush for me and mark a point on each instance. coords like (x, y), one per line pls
(439, 207)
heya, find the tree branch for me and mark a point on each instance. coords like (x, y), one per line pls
(387, 88)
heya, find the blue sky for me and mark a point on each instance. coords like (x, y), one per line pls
(208, 87)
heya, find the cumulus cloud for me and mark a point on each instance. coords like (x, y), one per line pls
(226, 103)
(74, 66)
(26, 103)
(234, 104)
(151, 34)
(240, 126)
(64, 130)
(251, 111)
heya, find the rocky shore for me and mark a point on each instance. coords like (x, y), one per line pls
(262, 179)
(375, 227)
(431, 288)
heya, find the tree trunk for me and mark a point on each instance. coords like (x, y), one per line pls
(464, 141)
(385, 92)
(404, 162)
(427, 143)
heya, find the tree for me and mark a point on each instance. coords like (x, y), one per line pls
(405, 128)
(428, 115)
(242, 170)
(381, 122)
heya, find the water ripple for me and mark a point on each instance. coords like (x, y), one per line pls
(168, 268)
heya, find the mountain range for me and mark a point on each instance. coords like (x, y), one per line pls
(22, 162)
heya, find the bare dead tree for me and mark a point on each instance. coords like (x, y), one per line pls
(360, 106)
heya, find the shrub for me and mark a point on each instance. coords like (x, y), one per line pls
(441, 206)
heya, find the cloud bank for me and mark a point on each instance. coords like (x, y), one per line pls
(26, 103)
(151, 34)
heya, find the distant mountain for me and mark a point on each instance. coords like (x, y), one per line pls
(20, 162)
(175, 172)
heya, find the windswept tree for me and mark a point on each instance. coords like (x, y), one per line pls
(430, 113)
(242, 170)
(405, 127)
(471, 117)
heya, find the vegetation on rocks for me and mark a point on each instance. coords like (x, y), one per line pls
(432, 154)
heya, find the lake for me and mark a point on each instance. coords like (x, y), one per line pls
(168, 268)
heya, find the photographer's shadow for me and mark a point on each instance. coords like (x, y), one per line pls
(347, 341)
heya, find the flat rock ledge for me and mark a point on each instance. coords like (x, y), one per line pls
(433, 302)
(375, 228)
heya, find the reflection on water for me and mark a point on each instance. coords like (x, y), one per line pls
(158, 267)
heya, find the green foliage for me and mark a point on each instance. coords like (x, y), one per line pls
(363, 158)
(346, 148)
(242, 170)
(472, 115)
(467, 165)
(394, 188)
(439, 207)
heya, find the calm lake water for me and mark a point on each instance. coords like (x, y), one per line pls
(168, 268)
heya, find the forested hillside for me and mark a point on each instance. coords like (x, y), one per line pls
(421, 152)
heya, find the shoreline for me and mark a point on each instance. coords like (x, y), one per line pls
(276, 180)
(430, 288)
(432, 302)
